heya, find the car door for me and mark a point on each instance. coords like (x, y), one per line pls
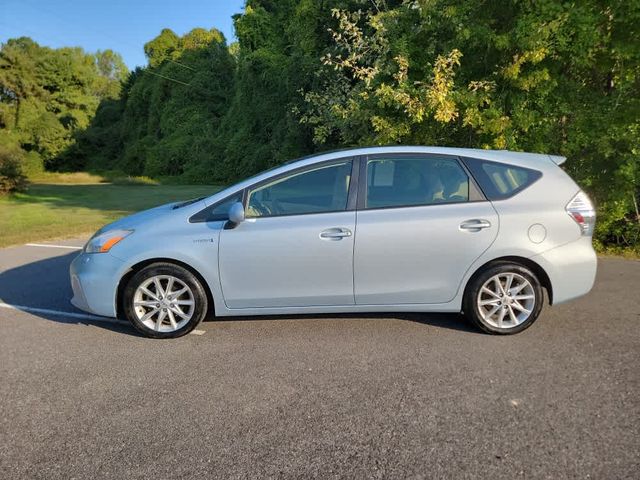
(421, 222)
(295, 247)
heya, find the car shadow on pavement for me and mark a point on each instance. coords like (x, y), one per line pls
(452, 321)
(44, 284)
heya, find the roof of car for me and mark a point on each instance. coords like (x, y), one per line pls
(497, 155)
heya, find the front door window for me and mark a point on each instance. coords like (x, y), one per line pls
(323, 189)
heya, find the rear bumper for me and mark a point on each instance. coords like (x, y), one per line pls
(94, 280)
(571, 269)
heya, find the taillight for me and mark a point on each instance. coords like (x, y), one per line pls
(581, 210)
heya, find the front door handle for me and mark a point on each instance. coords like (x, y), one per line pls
(475, 225)
(335, 233)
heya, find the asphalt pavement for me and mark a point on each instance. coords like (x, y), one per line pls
(350, 396)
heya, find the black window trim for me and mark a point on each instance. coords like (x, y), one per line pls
(193, 218)
(467, 160)
(357, 195)
(475, 193)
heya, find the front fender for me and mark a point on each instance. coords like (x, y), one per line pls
(196, 246)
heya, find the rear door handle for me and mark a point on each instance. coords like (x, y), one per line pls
(475, 225)
(335, 233)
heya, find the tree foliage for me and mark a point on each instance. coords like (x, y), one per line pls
(46, 95)
(306, 75)
(544, 76)
(166, 119)
(12, 178)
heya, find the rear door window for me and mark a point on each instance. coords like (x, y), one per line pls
(501, 180)
(406, 181)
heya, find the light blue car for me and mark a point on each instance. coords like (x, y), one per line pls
(387, 229)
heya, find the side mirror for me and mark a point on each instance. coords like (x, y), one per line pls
(236, 213)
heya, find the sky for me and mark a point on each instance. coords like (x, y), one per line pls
(121, 25)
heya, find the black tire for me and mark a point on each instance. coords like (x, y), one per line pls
(200, 303)
(470, 302)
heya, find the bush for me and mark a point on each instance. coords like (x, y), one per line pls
(32, 165)
(11, 177)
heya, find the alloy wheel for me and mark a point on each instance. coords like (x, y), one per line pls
(506, 300)
(164, 303)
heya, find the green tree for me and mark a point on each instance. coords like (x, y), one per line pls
(160, 48)
(279, 51)
(166, 119)
(47, 95)
(545, 76)
(19, 62)
(12, 178)
(304, 76)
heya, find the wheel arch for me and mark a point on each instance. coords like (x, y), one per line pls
(144, 263)
(540, 273)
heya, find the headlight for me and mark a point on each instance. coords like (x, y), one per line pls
(102, 243)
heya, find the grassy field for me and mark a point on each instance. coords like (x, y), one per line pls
(78, 204)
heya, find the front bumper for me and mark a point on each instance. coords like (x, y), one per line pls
(571, 269)
(94, 280)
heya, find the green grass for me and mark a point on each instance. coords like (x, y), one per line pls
(79, 204)
(87, 178)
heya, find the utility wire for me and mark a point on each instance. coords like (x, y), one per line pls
(146, 69)
(166, 78)
(102, 33)
(182, 65)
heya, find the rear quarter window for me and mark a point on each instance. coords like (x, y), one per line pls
(501, 180)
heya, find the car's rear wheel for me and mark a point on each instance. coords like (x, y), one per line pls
(164, 300)
(505, 298)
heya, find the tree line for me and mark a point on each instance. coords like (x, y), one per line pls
(307, 75)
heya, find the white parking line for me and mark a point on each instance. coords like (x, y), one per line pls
(52, 246)
(81, 316)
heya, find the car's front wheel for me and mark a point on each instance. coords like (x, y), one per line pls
(505, 298)
(164, 300)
